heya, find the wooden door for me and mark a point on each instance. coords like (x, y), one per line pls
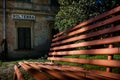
(24, 38)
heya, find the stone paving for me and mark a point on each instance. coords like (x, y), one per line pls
(6, 72)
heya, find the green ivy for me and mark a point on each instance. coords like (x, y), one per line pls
(73, 12)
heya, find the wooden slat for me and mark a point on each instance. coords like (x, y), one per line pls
(89, 74)
(18, 73)
(77, 74)
(90, 21)
(94, 77)
(74, 71)
(84, 36)
(89, 43)
(37, 75)
(89, 52)
(107, 74)
(110, 63)
(62, 75)
(58, 67)
(98, 75)
(53, 73)
(108, 21)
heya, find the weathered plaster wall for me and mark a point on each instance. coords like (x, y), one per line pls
(40, 34)
(40, 28)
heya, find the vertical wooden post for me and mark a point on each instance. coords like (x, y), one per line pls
(52, 61)
(14, 76)
(110, 57)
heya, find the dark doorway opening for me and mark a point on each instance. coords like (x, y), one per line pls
(24, 38)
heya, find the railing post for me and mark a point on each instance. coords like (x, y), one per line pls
(52, 61)
(110, 57)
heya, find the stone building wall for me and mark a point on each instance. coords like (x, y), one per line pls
(40, 30)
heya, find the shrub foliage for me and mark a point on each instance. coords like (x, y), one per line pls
(72, 12)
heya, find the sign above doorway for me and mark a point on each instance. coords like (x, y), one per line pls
(23, 17)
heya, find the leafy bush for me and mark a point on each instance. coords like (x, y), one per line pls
(73, 12)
